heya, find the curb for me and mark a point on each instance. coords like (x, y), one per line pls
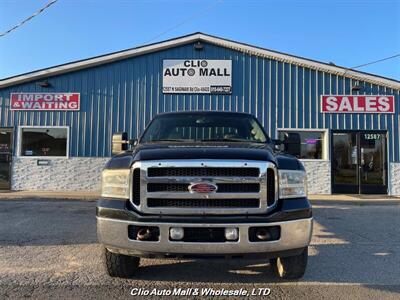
(356, 202)
(48, 196)
(47, 199)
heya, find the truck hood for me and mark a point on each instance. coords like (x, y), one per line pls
(235, 151)
(239, 151)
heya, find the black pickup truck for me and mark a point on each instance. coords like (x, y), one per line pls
(204, 185)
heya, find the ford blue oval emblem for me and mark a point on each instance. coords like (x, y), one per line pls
(202, 188)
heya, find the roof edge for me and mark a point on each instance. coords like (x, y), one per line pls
(242, 47)
(98, 60)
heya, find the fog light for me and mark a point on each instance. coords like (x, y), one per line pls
(231, 234)
(176, 233)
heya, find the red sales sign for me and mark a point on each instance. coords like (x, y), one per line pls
(357, 104)
(45, 101)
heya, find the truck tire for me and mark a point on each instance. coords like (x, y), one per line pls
(119, 265)
(292, 267)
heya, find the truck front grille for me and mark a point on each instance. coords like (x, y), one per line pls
(221, 187)
(200, 172)
(203, 203)
(242, 187)
(136, 186)
(271, 187)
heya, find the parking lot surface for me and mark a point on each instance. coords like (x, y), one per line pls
(49, 248)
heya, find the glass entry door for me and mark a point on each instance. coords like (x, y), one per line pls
(373, 163)
(359, 162)
(345, 175)
(6, 142)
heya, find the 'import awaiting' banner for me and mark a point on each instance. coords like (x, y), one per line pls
(45, 101)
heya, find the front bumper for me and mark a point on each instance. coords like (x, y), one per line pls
(294, 216)
(113, 234)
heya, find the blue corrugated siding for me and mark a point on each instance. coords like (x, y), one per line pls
(124, 95)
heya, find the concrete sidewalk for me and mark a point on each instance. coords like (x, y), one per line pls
(38, 195)
(94, 195)
(355, 199)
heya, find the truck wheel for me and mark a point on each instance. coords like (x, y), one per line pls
(292, 267)
(119, 265)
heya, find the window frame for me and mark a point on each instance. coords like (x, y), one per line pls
(326, 141)
(19, 143)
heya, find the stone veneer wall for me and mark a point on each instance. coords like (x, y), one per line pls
(318, 176)
(394, 183)
(62, 174)
(83, 174)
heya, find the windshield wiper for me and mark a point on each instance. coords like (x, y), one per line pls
(170, 140)
(232, 140)
(205, 140)
(224, 140)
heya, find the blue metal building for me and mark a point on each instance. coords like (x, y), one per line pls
(122, 91)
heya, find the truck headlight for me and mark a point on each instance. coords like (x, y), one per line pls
(292, 184)
(115, 183)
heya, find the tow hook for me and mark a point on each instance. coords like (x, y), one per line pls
(143, 234)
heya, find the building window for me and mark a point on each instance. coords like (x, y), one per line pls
(313, 143)
(44, 141)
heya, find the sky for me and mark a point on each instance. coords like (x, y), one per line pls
(346, 32)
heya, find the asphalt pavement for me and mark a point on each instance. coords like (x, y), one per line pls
(49, 248)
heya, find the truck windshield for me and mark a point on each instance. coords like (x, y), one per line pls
(204, 127)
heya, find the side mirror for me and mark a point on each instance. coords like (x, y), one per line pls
(119, 142)
(277, 144)
(292, 143)
(133, 142)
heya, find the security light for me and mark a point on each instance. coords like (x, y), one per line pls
(356, 88)
(44, 84)
(199, 46)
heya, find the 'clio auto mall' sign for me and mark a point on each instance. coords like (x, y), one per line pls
(194, 76)
(45, 101)
(378, 104)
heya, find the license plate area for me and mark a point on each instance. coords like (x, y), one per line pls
(203, 235)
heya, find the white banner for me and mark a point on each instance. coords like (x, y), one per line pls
(196, 76)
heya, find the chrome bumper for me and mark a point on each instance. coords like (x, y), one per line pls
(113, 234)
